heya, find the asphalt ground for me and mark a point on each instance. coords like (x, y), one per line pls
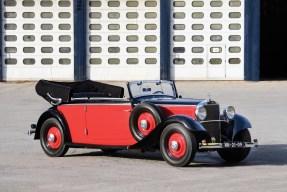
(24, 166)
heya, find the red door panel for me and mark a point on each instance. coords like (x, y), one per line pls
(108, 124)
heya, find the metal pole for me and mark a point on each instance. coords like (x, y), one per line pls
(165, 39)
(1, 44)
(252, 40)
(80, 21)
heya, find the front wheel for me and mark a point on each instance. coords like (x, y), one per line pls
(177, 145)
(236, 155)
(52, 138)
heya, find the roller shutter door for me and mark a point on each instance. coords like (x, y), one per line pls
(37, 38)
(123, 40)
(207, 40)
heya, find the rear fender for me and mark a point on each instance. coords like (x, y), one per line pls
(52, 112)
(153, 138)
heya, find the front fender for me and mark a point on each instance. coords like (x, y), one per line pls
(153, 138)
(240, 123)
(234, 126)
(52, 112)
(187, 121)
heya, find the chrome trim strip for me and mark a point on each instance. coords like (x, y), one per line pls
(77, 99)
(176, 105)
(98, 99)
(101, 104)
(202, 103)
(108, 99)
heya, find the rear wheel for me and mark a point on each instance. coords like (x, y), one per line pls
(52, 138)
(237, 155)
(177, 145)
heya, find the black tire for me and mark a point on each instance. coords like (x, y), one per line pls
(236, 155)
(153, 117)
(186, 145)
(56, 147)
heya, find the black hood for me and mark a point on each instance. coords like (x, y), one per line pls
(170, 101)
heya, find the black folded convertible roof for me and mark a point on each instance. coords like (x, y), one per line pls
(65, 90)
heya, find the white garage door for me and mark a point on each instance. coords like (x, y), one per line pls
(207, 39)
(37, 39)
(123, 41)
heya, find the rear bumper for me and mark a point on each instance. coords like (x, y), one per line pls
(227, 145)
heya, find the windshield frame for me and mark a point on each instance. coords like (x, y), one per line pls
(157, 82)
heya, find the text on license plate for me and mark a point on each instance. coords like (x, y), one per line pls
(233, 145)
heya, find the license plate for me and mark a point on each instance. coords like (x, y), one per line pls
(233, 145)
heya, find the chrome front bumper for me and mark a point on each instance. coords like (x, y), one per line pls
(227, 145)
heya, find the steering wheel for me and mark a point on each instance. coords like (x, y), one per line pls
(158, 92)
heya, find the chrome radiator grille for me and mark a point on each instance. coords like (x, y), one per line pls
(212, 127)
(212, 112)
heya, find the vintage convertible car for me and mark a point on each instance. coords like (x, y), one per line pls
(154, 117)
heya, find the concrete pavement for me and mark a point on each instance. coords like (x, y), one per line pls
(25, 167)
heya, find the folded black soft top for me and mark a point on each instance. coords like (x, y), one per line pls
(64, 91)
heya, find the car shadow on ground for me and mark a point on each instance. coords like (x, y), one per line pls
(154, 156)
(262, 155)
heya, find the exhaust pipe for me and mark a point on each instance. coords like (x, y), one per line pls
(30, 132)
(33, 129)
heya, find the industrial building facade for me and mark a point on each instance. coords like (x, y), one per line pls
(129, 39)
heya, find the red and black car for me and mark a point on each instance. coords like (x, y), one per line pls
(153, 117)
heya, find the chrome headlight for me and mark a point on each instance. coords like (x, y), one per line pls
(200, 113)
(229, 112)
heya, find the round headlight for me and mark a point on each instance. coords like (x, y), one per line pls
(200, 113)
(229, 112)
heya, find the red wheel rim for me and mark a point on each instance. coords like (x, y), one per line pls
(54, 137)
(177, 145)
(147, 119)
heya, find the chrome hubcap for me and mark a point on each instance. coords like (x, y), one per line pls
(174, 145)
(143, 124)
(51, 138)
